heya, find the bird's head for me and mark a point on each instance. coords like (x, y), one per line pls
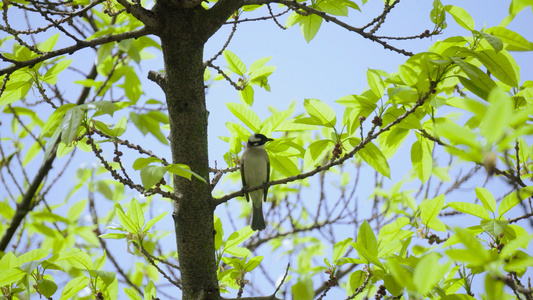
(257, 139)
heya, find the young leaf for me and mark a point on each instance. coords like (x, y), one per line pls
(309, 25)
(142, 162)
(183, 171)
(71, 124)
(246, 95)
(428, 272)
(73, 287)
(430, 209)
(486, 198)
(246, 115)
(497, 117)
(513, 199)
(124, 220)
(150, 175)
(50, 76)
(321, 112)
(234, 63)
(339, 248)
(152, 222)
(238, 237)
(421, 159)
(470, 208)
(375, 82)
(366, 238)
(460, 16)
(136, 214)
(373, 156)
(316, 151)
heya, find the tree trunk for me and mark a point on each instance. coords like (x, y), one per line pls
(184, 88)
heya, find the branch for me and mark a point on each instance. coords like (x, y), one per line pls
(24, 206)
(140, 13)
(219, 14)
(78, 46)
(309, 10)
(370, 136)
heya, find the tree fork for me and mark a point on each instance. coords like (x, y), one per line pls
(182, 47)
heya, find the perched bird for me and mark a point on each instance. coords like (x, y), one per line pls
(255, 170)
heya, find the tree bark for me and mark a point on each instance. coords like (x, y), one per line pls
(184, 89)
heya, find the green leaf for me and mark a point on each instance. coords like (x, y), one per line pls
(316, 152)
(513, 199)
(132, 85)
(285, 165)
(497, 117)
(375, 82)
(71, 124)
(132, 294)
(142, 162)
(78, 259)
(373, 156)
(153, 221)
(429, 211)
(246, 115)
(50, 76)
(309, 25)
(292, 19)
(124, 220)
(46, 287)
(49, 44)
(247, 95)
(219, 233)
(367, 239)
(135, 214)
(428, 272)
(150, 175)
(259, 63)
(238, 237)
(234, 63)
(471, 209)
(500, 64)
(486, 198)
(494, 227)
(340, 248)
(437, 14)
(32, 152)
(321, 112)
(150, 291)
(104, 107)
(460, 16)
(183, 171)
(422, 159)
(75, 211)
(253, 263)
(494, 41)
(480, 83)
(10, 276)
(260, 76)
(120, 127)
(513, 41)
(115, 236)
(303, 289)
(55, 118)
(473, 245)
(457, 297)
(356, 280)
(73, 287)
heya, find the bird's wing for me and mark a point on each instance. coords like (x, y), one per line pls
(265, 190)
(244, 180)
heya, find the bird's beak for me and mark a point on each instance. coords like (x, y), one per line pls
(269, 139)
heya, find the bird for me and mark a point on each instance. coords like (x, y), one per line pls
(255, 170)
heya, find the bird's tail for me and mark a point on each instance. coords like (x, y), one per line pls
(258, 221)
